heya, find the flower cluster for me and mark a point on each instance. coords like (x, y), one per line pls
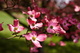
(43, 24)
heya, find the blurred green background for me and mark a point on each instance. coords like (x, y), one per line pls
(16, 45)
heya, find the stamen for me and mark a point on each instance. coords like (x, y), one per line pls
(34, 38)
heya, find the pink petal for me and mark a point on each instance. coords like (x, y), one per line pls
(27, 36)
(52, 44)
(37, 14)
(11, 28)
(24, 12)
(49, 30)
(78, 25)
(39, 24)
(62, 31)
(77, 8)
(30, 22)
(61, 43)
(1, 27)
(33, 19)
(34, 34)
(36, 43)
(36, 26)
(42, 37)
(29, 12)
(75, 40)
(16, 22)
(20, 28)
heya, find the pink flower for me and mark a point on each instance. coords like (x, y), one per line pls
(65, 24)
(33, 49)
(54, 27)
(61, 43)
(1, 27)
(36, 26)
(52, 44)
(33, 15)
(35, 39)
(77, 8)
(72, 21)
(78, 25)
(30, 22)
(15, 27)
(76, 39)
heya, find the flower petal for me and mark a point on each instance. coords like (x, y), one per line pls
(27, 36)
(34, 34)
(1, 27)
(20, 28)
(42, 37)
(11, 28)
(36, 43)
(16, 22)
(30, 22)
(37, 14)
(61, 43)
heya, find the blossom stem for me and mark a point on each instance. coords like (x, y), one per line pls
(14, 36)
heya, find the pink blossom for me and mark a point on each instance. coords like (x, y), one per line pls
(30, 22)
(15, 27)
(54, 27)
(76, 36)
(35, 39)
(33, 15)
(33, 49)
(76, 39)
(36, 26)
(77, 8)
(78, 25)
(1, 28)
(52, 44)
(61, 43)
(65, 24)
(72, 21)
(46, 19)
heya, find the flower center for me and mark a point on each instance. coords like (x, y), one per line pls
(34, 38)
(15, 28)
(64, 23)
(32, 24)
(31, 15)
(51, 27)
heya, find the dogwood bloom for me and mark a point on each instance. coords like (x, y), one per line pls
(15, 27)
(78, 25)
(65, 24)
(54, 27)
(61, 43)
(34, 25)
(33, 49)
(30, 22)
(76, 39)
(77, 8)
(52, 43)
(33, 14)
(1, 27)
(35, 38)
